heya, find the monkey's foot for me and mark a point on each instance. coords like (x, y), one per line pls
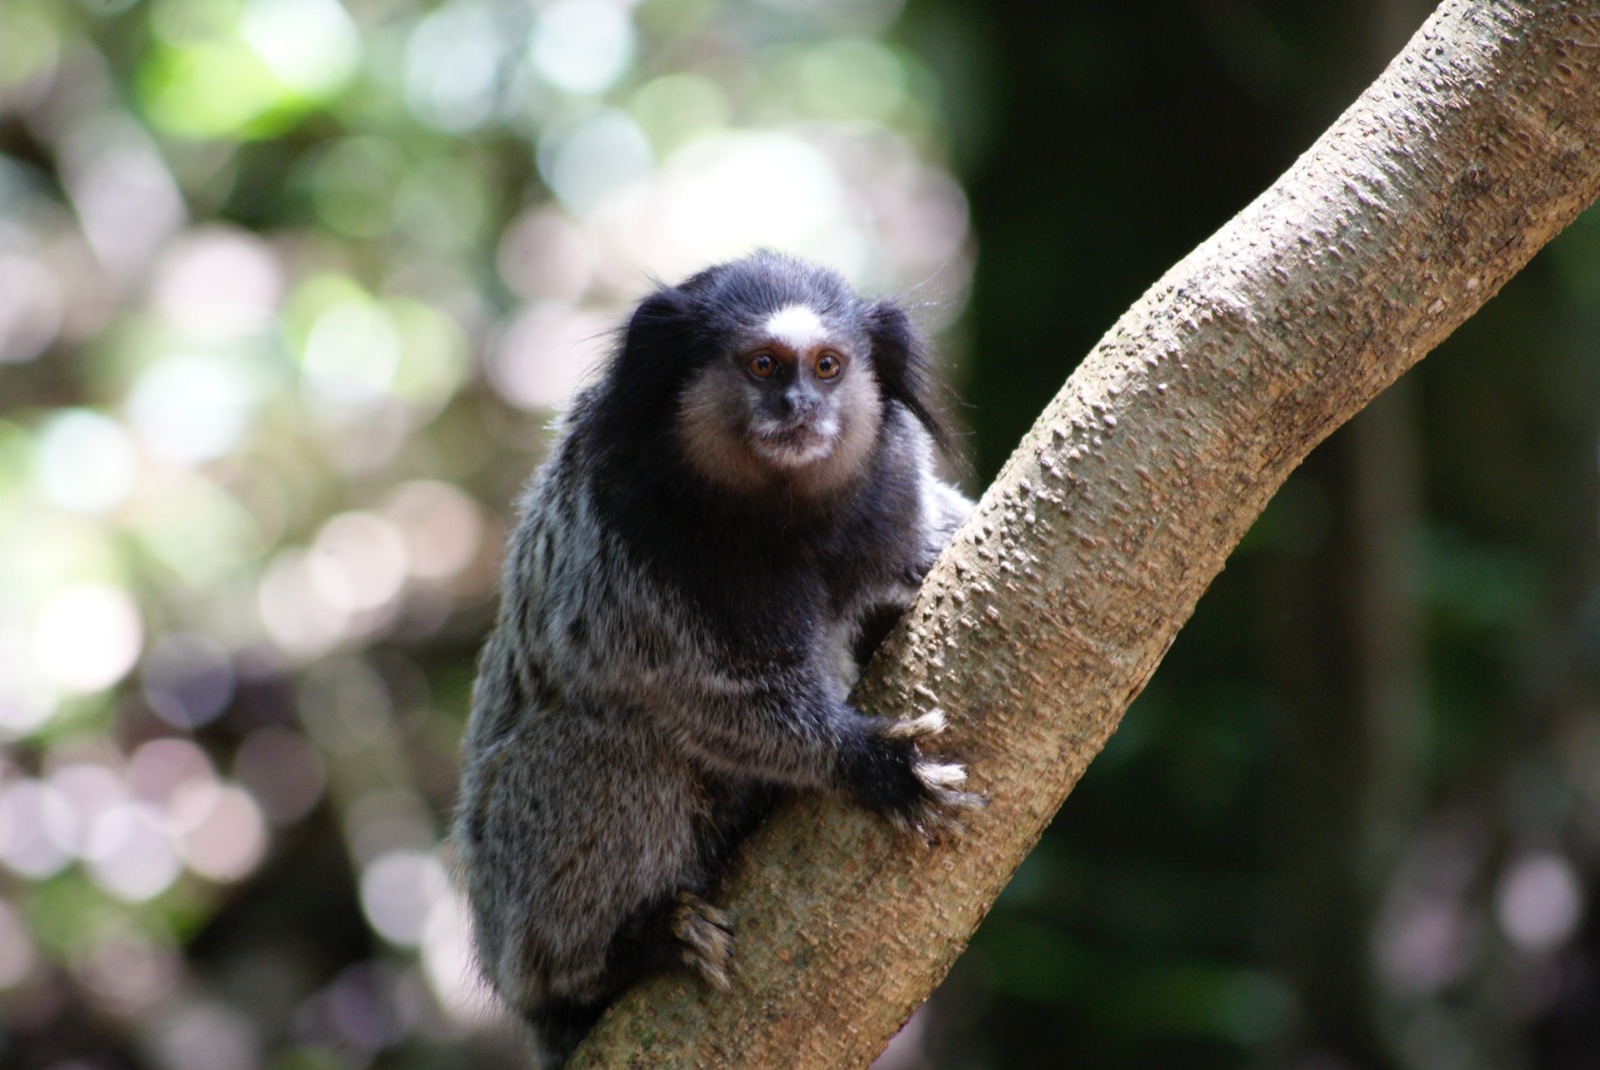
(706, 934)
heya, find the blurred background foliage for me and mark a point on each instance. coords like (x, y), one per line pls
(289, 291)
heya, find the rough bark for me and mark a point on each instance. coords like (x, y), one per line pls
(1055, 603)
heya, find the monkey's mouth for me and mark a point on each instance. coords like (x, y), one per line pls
(791, 445)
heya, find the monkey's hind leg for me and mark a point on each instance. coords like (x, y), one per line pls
(558, 1027)
(682, 931)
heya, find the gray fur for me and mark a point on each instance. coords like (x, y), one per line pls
(620, 743)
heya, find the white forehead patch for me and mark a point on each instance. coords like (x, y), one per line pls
(797, 327)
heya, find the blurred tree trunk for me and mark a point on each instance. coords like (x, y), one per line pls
(1349, 784)
(1347, 788)
(1055, 603)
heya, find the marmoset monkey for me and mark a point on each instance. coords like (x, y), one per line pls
(732, 516)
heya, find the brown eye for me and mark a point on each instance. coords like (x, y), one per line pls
(829, 365)
(763, 365)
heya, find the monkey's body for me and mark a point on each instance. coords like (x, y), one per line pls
(694, 572)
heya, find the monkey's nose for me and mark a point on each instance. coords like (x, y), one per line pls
(799, 403)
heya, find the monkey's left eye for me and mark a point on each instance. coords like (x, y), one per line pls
(829, 365)
(763, 365)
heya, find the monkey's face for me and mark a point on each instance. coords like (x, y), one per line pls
(792, 404)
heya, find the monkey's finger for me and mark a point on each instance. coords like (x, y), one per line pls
(929, 724)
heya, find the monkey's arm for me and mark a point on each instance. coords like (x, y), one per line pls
(788, 727)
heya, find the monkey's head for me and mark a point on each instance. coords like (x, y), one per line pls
(773, 374)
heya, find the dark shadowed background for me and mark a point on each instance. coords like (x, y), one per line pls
(290, 291)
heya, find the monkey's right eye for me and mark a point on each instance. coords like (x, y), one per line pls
(763, 365)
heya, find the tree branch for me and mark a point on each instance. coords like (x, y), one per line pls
(1055, 603)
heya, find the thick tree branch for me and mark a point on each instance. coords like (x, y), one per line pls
(1049, 613)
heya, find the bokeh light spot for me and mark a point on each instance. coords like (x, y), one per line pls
(87, 637)
(433, 353)
(130, 853)
(362, 1012)
(311, 46)
(37, 828)
(27, 698)
(219, 282)
(293, 610)
(358, 561)
(448, 960)
(91, 789)
(346, 707)
(351, 354)
(159, 768)
(219, 830)
(213, 89)
(582, 46)
(440, 525)
(398, 892)
(724, 194)
(585, 159)
(207, 1036)
(202, 533)
(188, 679)
(124, 193)
(130, 974)
(283, 771)
(546, 353)
(545, 256)
(86, 461)
(32, 308)
(191, 407)
(1540, 902)
(454, 61)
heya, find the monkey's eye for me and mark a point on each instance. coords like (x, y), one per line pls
(763, 365)
(829, 365)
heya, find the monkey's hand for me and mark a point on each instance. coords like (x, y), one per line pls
(889, 774)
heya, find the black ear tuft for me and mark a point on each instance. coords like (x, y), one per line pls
(657, 341)
(900, 360)
(653, 352)
(662, 324)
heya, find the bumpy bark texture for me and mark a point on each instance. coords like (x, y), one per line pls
(1478, 144)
